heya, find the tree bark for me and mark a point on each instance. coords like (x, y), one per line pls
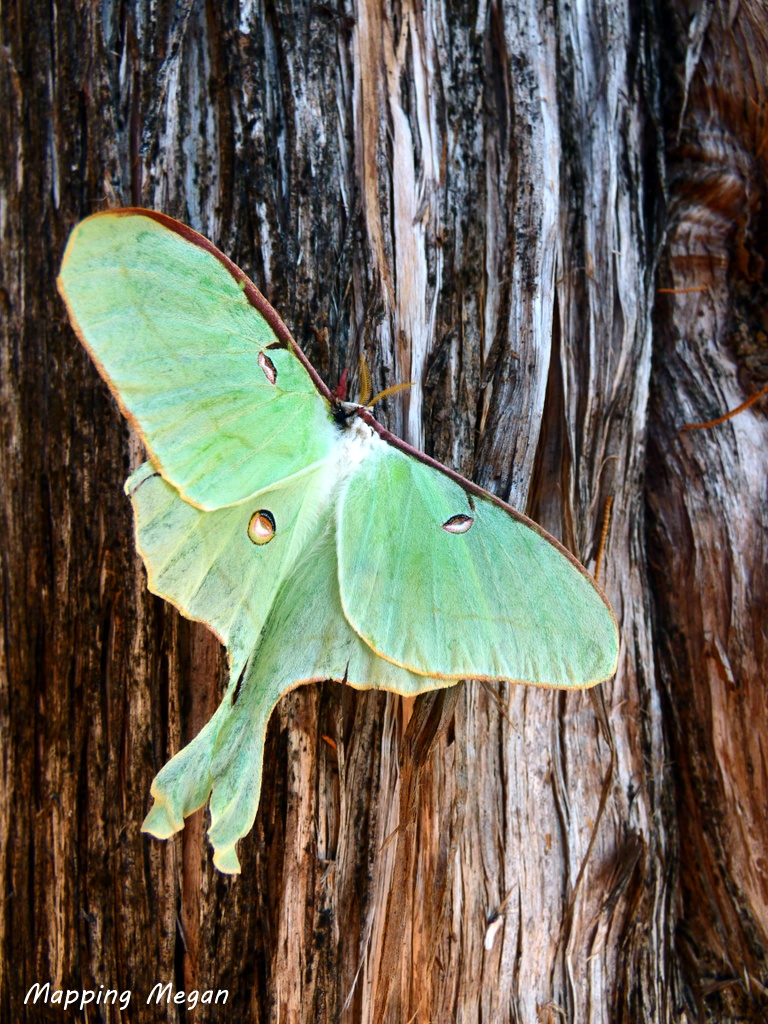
(483, 199)
(707, 501)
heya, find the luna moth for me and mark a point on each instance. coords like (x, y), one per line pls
(313, 542)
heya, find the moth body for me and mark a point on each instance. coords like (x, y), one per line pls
(358, 441)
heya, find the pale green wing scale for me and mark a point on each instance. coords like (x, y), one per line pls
(291, 630)
(502, 598)
(195, 356)
(210, 566)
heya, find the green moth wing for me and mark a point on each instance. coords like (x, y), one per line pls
(206, 563)
(502, 599)
(195, 356)
(296, 633)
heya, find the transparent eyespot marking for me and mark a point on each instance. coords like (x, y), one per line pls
(268, 367)
(458, 524)
(261, 528)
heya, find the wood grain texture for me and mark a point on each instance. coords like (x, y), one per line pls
(476, 197)
(707, 496)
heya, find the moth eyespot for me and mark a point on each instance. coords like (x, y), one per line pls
(268, 367)
(458, 524)
(261, 528)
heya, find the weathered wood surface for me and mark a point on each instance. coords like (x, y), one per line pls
(476, 197)
(707, 492)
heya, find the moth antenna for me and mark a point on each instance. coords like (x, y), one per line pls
(728, 415)
(340, 391)
(365, 381)
(387, 392)
(603, 536)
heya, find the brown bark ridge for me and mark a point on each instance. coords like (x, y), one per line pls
(708, 540)
(475, 197)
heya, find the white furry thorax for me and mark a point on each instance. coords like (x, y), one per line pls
(357, 441)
